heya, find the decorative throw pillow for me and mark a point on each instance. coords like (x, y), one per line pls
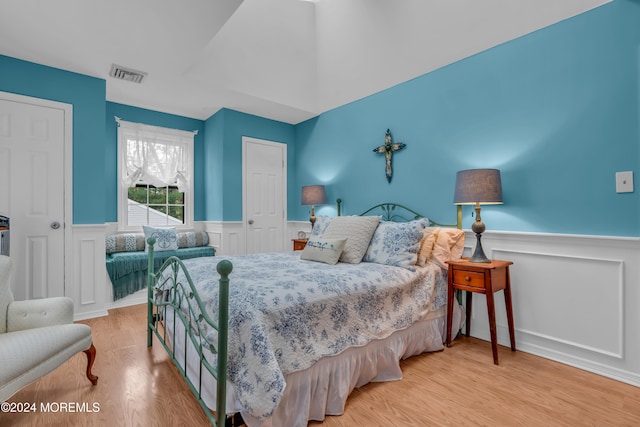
(124, 242)
(166, 238)
(357, 230)
(192, 239)
(321, 224)
(396, 243)
(449, 245)
(430, 234)
(323, 250)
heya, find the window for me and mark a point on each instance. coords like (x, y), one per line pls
(155, 168)
(150, 205)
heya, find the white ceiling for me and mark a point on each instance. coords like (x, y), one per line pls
(287, 60)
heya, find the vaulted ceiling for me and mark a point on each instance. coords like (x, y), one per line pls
(287, 60)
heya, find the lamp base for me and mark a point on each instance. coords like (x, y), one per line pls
(312, 218)
(478, 253)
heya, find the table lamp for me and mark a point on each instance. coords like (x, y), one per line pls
(478, 187)
(313, 195)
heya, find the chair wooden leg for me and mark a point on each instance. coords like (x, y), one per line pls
(91, 357)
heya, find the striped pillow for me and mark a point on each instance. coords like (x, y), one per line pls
(134, 242)
(192, 239)
(124, 242)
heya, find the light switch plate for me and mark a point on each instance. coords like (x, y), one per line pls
(624, 182)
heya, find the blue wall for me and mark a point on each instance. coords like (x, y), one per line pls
(87, 95)
(217, 150)
(556, 111)
(214, 166)
(223, 152)
(154, 118)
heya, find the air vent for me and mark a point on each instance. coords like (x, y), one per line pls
(122, 73)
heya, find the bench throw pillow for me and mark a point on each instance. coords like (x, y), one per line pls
(166, 238)
(357, 230)
(124, 242)
(192, 239)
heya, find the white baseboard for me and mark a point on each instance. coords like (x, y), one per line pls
(139, 297)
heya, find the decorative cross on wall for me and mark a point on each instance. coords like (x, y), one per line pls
(388, 148)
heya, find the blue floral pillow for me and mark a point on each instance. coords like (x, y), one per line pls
(321, 224)
(396, 243)
(166, 238)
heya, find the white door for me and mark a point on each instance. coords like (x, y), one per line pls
(32, 192)
(264, 198)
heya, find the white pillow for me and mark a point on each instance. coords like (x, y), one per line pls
(166, 238)
(357, 230)
(396, 243)
(323, 250)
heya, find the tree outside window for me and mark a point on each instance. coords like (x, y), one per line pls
(149, 205)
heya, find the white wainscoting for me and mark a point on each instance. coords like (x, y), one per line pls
(229, 239)
(88, 284)
(294, 227)
(575, 299)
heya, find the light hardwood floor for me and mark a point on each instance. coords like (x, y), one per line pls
(458, 386)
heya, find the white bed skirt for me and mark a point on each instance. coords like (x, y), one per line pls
(323, 388)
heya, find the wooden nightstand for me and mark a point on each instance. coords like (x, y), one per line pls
(483, 278)
(299, 244)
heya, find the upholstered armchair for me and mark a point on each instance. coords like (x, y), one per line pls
(36, 336)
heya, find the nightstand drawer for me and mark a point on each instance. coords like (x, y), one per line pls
(468, 278)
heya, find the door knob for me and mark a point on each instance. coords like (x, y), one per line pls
(250, 221)
(55, 225)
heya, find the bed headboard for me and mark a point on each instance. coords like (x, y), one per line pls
(399, 213)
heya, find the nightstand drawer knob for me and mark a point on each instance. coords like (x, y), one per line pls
(467, 278)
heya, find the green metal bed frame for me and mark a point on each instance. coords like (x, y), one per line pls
(180, 292)
(174, 297)
(390, 212)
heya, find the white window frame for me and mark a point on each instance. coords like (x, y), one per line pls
(123, 200)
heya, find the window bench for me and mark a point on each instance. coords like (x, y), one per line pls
(128, 270)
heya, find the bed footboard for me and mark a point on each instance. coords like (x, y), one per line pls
(171, 287)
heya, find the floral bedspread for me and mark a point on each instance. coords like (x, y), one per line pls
(286, 313)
